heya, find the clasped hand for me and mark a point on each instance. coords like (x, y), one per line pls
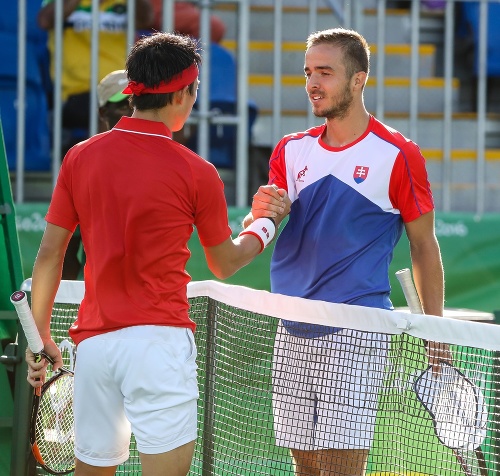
(271, 202)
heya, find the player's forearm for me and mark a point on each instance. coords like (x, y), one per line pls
(47, 275)
(429, 277)
(231, 255)
(245, 249)
(226, 259)
(45, 281)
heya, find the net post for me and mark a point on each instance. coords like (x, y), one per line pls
(495, 437)
(209, 389)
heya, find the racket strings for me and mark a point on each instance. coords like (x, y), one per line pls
(456, 406)
(54, 427)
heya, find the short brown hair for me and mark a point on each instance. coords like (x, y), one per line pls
(355, 48)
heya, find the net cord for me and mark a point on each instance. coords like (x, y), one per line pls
(439, 329)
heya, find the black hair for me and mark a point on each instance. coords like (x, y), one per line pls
(157, 58)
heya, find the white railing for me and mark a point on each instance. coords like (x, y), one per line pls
(350, 14)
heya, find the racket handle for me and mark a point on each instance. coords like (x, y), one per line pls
(20, 302)
(411, 296)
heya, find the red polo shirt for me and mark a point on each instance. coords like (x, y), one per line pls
(136, 194)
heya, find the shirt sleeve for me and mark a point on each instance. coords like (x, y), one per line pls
(409, 188)
(61, 210)
(211, 219)
(277, 166)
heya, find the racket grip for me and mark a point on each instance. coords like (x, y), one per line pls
(20, 302)
(409, 291)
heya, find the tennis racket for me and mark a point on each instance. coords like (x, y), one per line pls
(454, 403)
(51, 424)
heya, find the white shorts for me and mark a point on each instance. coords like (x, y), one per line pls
(140, 379)
(325, 389)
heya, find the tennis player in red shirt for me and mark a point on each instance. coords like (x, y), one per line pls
(137, 195)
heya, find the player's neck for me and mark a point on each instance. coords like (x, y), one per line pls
(157, 115)
(168, 115)
(172, 115)
(342, 132)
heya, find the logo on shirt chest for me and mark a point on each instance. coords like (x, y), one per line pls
(301, 175)
(360, 173)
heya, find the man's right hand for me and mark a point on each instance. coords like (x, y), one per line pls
(38, 370)
(438, 352)
(271, 202)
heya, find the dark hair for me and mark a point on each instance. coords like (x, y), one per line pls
(355, 48)
(156, 58)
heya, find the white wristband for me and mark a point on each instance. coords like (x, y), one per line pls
(263, 228)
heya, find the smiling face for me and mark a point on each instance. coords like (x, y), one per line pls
(329, 89)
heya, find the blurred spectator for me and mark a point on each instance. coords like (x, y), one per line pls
(223, 100)
(113, 104)
(187, 20)
(77, 49)
(38, 85)
(468, 33)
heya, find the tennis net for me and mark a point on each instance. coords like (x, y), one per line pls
(367, 384)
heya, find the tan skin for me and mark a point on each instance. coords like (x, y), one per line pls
(340, 100)
(223, 260)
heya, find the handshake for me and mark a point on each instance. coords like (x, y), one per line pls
(269, 206)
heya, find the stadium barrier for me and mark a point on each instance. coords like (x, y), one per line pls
(469, 246)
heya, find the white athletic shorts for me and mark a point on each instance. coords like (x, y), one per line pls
(140, 379)
(325, 389)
